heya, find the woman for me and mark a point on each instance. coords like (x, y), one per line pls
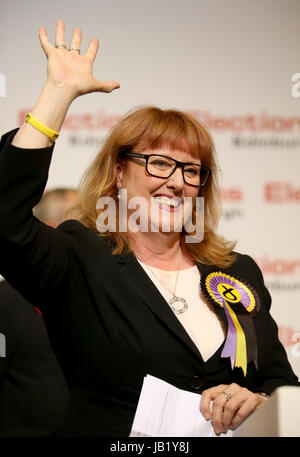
(123, 304)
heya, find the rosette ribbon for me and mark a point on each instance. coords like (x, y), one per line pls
(241, 303)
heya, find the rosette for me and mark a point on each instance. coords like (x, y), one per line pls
(241, 303)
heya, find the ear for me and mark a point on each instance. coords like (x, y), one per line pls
(120, 174)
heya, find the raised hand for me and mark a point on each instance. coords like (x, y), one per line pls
(69, 75)
(69, 69)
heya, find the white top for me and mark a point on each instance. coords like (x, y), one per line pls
(199, 321)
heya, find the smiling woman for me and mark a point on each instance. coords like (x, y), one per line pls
(126, 303)
(172, 133)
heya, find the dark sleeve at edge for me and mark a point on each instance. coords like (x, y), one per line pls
(35, 258)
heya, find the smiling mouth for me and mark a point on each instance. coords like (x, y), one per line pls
(167, 203)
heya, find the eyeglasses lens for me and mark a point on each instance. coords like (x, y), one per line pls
(163, 167)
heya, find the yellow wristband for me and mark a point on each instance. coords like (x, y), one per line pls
(41, 127)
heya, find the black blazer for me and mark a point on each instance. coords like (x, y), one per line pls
(107, 322)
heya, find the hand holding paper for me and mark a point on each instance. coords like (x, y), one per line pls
(164, 410)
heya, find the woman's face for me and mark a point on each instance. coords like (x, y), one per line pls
(161, 200)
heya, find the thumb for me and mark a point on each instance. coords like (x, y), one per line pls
(106, 86)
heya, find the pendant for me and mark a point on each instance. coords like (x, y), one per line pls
(178, 310)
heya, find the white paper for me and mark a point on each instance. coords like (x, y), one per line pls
(164, 410)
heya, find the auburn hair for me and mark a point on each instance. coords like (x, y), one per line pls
(150, 128)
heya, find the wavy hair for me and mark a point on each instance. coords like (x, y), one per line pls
(150, 128)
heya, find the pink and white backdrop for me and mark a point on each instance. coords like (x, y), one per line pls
(230, 63)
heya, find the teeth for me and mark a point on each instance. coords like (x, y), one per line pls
(168, 201)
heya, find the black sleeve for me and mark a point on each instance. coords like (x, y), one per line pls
(274, 367)
(35, 258)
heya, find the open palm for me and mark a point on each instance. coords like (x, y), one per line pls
(70, 69)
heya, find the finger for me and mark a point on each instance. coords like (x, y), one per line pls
(59, 33)
(247, 408)
(205, 410)
(76, 40)
(106, 86)
(217, 413)
(92, 49)
(232, 406)
(226, 405)
(207, 396)
(45, 43)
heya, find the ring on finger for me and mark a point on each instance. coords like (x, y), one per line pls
(61, 45)
(227, 395)
(73, 48)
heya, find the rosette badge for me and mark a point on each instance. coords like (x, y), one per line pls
(241, 304)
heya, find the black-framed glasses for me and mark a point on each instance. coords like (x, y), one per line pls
(162, 166)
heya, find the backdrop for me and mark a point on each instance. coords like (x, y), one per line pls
(230, 63)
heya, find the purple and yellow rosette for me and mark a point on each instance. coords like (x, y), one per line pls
(240, 303)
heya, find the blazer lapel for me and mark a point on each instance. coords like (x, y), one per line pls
(147, 291)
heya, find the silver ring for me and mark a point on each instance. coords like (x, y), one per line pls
(61, 46)
(227, 395)
(74, 49)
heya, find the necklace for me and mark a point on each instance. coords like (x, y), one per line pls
(175, 299)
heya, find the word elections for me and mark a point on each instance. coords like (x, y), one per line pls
(278, 266)
(281, 192)
(2, 85)
(2, 345)
(296, 87)
(259, 122)
(161, 214)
